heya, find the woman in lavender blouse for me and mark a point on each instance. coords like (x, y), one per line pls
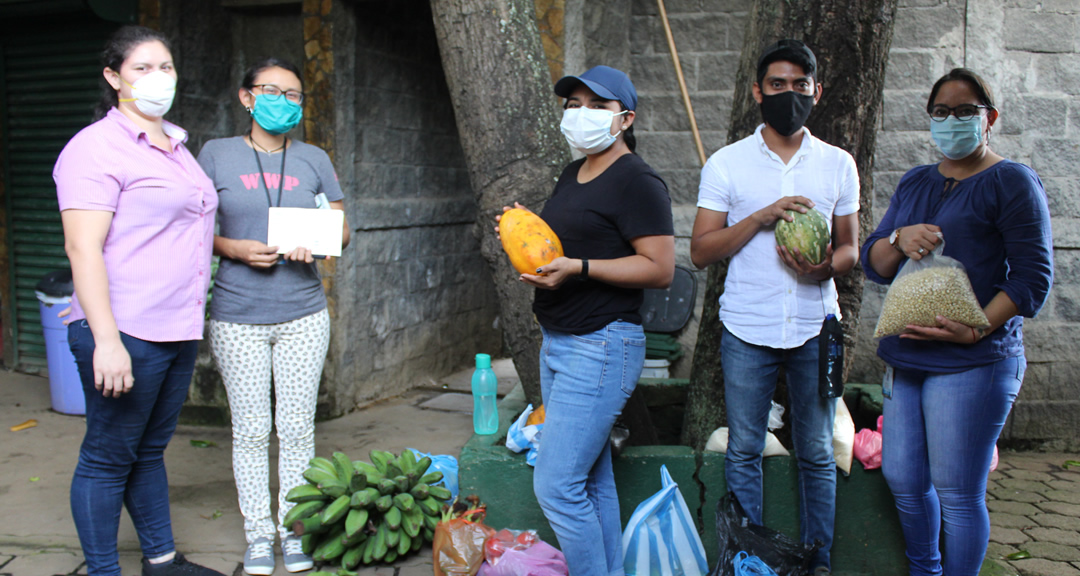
(138, 217)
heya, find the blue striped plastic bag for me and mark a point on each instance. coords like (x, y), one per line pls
(660, 539)
(521, 437)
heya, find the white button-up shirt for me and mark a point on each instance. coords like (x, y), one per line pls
(764, 301)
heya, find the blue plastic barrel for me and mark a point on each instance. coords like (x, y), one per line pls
(54, 295)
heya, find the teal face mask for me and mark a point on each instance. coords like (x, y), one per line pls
(957, 138)
(276, 115)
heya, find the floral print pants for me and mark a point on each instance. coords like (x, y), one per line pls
(251, 357)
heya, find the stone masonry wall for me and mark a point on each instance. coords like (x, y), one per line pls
(411, 298)
(1029, 50)
(414, 299)
(708, 37)
(213, 46)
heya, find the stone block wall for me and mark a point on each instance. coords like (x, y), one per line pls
(213, 47)
(708, 38)
(410, 299)
(413, 298)
(1029, 52)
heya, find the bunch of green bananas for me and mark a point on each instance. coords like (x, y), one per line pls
(359, 512)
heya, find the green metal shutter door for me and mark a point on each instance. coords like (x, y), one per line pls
(50, 90)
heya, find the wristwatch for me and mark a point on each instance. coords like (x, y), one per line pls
(894, 239)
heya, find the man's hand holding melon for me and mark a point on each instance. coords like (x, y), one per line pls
(804, 244)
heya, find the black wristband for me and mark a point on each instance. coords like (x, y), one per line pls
(584, 269)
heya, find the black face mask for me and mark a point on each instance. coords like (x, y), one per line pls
(787, 111)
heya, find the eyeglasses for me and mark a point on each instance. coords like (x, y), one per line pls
(273, 93)
(963, 112)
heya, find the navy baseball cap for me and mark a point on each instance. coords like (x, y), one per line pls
(605, 81)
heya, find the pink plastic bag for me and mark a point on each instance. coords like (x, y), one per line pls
(540, 559)
(867, 447)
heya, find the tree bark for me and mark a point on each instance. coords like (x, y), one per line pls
(507, 119)
(851, 40)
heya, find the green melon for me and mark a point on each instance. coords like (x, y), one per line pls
(809, 234)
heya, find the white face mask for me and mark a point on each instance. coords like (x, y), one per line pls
(588, 129)
(153, 93)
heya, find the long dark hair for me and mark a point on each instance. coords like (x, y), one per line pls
(117, 49)
(981, 88)
(253, 72)
(628, 134)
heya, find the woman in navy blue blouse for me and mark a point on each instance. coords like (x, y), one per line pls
(953, 385)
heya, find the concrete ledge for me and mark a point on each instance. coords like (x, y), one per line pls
(868, 540)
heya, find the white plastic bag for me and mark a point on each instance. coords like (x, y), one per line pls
(843, 437)
(718, 443)
(776, 416)
(660, 538)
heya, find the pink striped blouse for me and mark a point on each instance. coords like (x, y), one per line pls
(157, 251)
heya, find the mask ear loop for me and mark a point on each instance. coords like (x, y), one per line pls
(118, 98)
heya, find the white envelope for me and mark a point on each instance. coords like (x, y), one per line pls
(314, 229)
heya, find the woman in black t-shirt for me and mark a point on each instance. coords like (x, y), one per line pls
(613, 215)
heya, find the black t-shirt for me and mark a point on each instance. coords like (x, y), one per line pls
(597, 220)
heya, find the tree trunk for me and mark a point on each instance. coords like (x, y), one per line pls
(507, 119)
(851, 40)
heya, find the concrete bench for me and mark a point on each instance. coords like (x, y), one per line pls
(868, 539)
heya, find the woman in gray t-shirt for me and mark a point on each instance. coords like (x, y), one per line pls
(268, 318)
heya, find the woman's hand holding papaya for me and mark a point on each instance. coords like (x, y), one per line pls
(553, 274)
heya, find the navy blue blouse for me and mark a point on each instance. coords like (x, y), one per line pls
(997, 224)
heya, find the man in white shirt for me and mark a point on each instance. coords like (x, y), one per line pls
(775, 301)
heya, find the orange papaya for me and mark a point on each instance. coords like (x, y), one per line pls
(528, 240)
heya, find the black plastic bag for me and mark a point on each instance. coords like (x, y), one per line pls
(734, 534)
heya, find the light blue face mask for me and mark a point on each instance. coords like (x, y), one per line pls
(276, 115)
(957, 138)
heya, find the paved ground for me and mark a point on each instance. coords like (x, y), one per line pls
(1034, 506)
(1034, 502)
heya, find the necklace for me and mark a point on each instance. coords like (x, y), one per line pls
(257, 145)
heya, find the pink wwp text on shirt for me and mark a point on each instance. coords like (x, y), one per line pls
(251, 181)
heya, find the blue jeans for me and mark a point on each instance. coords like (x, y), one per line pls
(121, 462)
(585, 381)
(938, 441)
(750, 374)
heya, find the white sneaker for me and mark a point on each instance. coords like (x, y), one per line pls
(293, 551)
(259, 558)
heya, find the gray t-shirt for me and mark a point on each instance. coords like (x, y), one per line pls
(284, 292)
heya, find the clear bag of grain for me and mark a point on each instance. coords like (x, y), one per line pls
(925, 289)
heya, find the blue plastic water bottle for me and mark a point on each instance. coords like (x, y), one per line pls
(484, 388)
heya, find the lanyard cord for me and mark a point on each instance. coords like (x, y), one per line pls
(281, 177)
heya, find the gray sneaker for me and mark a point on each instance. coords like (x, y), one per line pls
(293, 551)
(259, 558)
